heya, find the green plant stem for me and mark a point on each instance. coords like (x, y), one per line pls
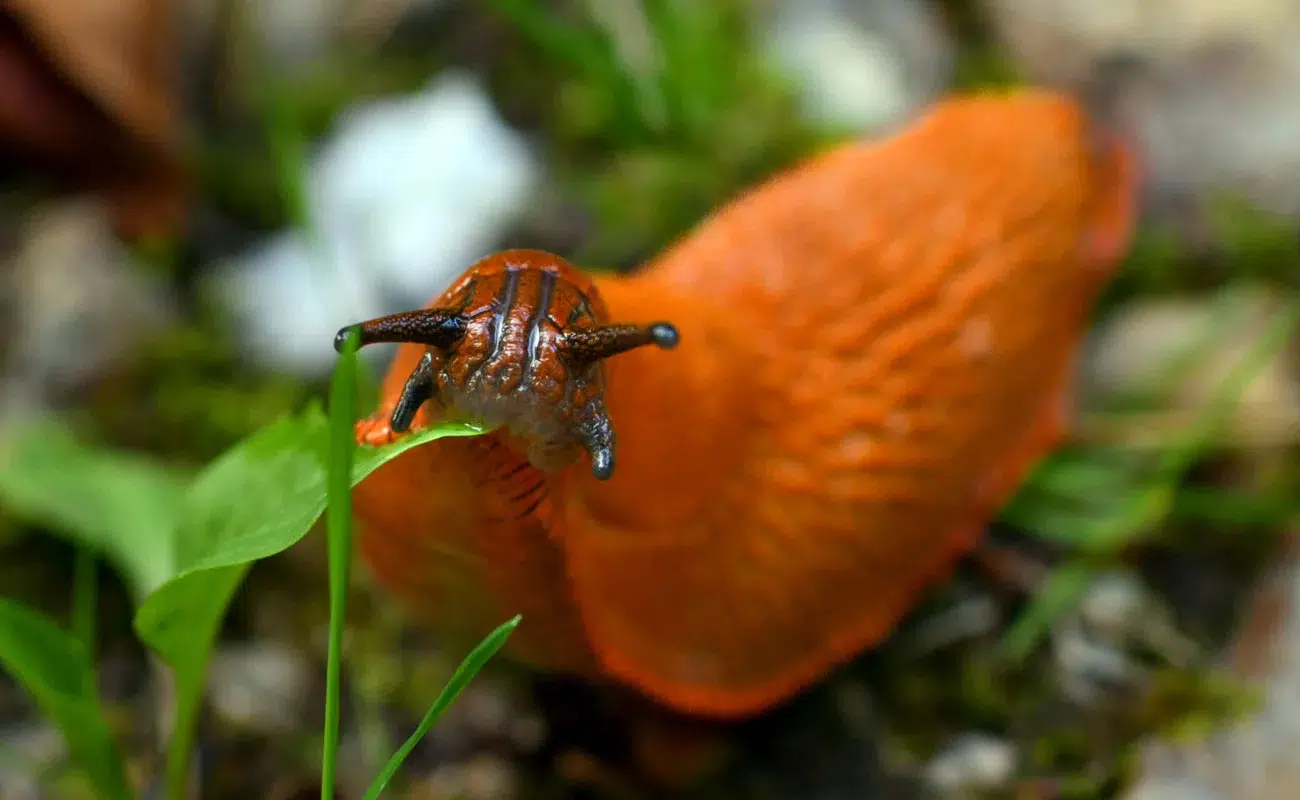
(85, 595)
(339, 532)
(185, 728)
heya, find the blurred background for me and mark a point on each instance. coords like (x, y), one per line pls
(197, 194)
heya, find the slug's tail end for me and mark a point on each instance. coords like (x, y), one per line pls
(1114, 211)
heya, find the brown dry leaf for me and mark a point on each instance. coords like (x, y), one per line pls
(85, 90)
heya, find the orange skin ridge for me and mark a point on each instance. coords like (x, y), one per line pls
(876, 346)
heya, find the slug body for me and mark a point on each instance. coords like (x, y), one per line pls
(876, 346)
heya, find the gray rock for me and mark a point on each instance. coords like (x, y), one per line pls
(1207, 88)
(973, 762)
(28, 751)
(484, 777)
(77, 306)
(262, 686)
(1104, 646)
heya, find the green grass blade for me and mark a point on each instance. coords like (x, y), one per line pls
(343, 399)
(1060, 591)
(466, 672)
(1178, 459)
(579, 48)
(54, 668)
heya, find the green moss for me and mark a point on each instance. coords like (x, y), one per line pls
(1256, 243)
(650, 149)
(985, 67)
(1222, 240)
(1086, 751)
(200, 399)
(1186, 706)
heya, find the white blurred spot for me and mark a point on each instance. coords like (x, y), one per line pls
(860, 63)
(408, 193)
(972, 762)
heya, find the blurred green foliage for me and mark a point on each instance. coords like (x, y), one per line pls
(184, 547)
(58, 672)
(1103, 502)
(120, 505)
(656, 113)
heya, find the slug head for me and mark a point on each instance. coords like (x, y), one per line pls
(519, 341)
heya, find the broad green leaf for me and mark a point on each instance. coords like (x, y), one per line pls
(466, 672)
(121, 505)
(256, 500)
(52, 665)
(1085, 473)
(1070, 491)
(1059, 592)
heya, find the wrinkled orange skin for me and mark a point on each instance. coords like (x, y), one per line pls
(876, 346)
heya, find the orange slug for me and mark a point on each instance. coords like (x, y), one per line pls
(861, 359)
